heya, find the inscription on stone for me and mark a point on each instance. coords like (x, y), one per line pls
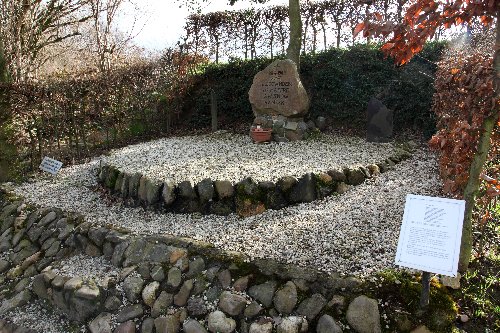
(277, 90)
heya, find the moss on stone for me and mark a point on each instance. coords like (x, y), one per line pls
(111, 178)
(324, 185)
(103, 173)
(248, 189)
(442, 309)
(244, 268)
(402, 291)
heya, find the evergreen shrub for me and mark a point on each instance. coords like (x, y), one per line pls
(339, 82)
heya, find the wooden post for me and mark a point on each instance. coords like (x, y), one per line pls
(169, 119)
(426, 288)
(213, 109)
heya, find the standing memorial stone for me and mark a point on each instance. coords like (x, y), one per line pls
(380, 121)
(277, 90)
(279, 100)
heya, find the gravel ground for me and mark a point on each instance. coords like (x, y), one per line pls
(355, 233)
(89, 267)
(224, 156)
(39, 319)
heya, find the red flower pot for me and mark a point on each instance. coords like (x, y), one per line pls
(260, 134)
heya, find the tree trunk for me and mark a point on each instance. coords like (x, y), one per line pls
(293, 50)
(386, 10)
(254, 41)
(324, 37)
(496, 62)
(304, 34)
(271, 44)
(282, 40)
(315, 37)
(216, 49)
(339, 31)
(477, 164)
(367, 14)
(246, 42)
(399, 11)
(8, 151)
(4, 74)
(4, 92)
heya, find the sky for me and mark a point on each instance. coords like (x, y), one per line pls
(160, 22)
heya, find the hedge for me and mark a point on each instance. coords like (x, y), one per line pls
(340, 83)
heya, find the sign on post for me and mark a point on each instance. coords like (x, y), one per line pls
(430, 238)
(430, 235)
(50, 165)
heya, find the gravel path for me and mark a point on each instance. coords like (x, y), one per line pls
(355, 233)
(36, 317)
(224, 156)
(96, 268)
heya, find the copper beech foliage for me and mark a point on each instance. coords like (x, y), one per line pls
(464, 84)
(464, 97)
(421, 21)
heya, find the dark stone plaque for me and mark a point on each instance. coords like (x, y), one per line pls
(380, 121)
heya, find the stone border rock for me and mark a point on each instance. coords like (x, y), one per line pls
(165, 282)
(246, 198)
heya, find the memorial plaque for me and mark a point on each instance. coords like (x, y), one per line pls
(50, 165)
(277, 90)
(380, 121)
(430, 234)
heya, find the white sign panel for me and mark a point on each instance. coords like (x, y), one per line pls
(430, 235)
(50, 165)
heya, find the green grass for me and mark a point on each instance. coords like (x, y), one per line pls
(479, 296)
(400, 293)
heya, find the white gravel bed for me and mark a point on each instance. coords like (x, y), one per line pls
(355, 233)
(225, 156)
(36, 317)
(86, 267)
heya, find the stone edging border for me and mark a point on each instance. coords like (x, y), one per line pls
(169, 284)
(162, 277)
(246, 198)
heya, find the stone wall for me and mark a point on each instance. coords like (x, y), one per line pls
(166, 283)
(246, 197)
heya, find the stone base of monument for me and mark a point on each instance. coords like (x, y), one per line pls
(283, 129)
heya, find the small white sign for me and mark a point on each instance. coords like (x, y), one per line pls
(430, 235)
(50, 165)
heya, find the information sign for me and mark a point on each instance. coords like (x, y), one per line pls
(50, 165)
(430, 235)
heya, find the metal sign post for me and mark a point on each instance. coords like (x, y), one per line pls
(213, 109)
(430, 238)
(426, 289)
